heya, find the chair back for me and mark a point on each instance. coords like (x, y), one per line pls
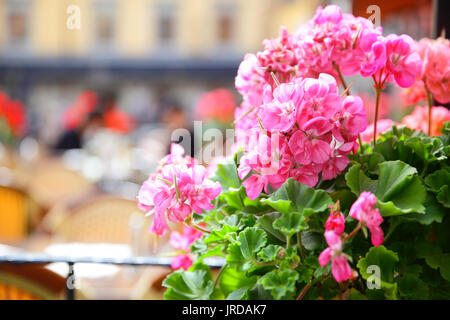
(104, 219)
(51, 182)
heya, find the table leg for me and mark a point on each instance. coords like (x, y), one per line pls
(70, 282)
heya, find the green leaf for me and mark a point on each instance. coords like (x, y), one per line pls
(312, 261)
(441, 261)
(312, 240)
(266, 223)
(356, 295)
(239, 294)
(281, 283)
(393, 177)
(189, 285)
(411, 287)
(252, 240)
(290, 223)
(269, 253)
(298, 197)
(304, 273)
(384, 259)
(244, 251)
(427, 148)
(434, 212)
(227, 175)
(439, 181)
(358, 182)
(219, 235)
(233, 280)
(398, 189)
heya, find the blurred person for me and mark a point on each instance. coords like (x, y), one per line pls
(73, 138)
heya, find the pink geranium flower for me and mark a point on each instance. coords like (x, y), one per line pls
(334, 166)
(307, 146)
(340, 268)
(383, 125)
(436, 69)
(280, 113)
(402, 61)
(183, 241)
(179, 187)
(183, 261)
(335, 222)
(418, 119)
(363, 210)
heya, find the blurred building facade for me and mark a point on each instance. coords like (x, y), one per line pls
(145, 50)
(50, 50)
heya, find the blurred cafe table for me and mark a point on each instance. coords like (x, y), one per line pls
(91, 260)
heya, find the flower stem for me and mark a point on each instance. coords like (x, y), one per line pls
(360, 143)
(341, 77)
(190, 223)
(304, 290)
(219, 275)
(355, 231)
(430, 106)
(377, 103)
(288, 241)
(300, 245)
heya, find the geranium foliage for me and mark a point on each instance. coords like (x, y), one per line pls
(303, 210)
(271, 245)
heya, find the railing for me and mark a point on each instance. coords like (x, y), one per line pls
(41, 258)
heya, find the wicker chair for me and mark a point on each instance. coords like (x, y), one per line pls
(102, 219)
(51, 182)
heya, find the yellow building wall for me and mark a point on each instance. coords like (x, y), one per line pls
(196, 25)
(134, 27)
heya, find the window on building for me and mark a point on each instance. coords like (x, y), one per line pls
(166, 21)
(225, 24)
(225, 28)
(166, 28)
(17, 23)
(104, 24)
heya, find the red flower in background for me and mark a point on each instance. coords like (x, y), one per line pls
(74, 115)
(118, 120)
(13, 113)
(216, 105)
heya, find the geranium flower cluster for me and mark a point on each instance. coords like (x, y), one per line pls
(303, 130)
(178, 188)
(331, 42)
(13, 115)
(291, 87)
(362, 210)
(183, 241)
